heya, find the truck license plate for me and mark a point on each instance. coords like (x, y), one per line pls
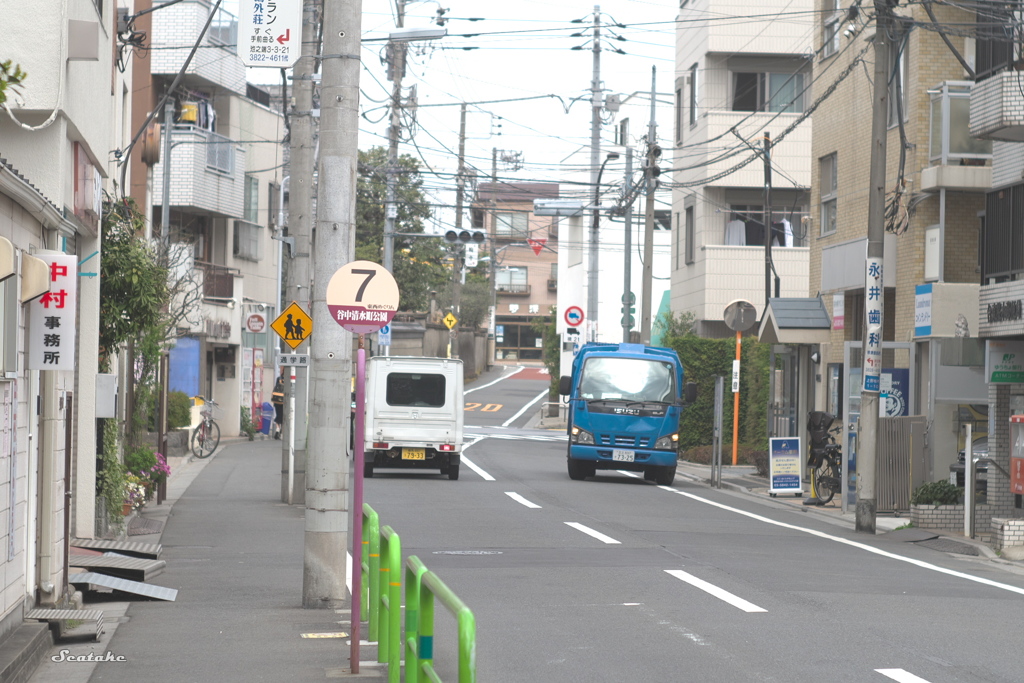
(415, 454)
(623, 456)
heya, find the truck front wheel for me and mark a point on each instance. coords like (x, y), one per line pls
(578, 471)
(665, 476)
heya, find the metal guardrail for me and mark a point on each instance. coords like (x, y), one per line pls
(389, 642)
(370, 567)
(419, 658)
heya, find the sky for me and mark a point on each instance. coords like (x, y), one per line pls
(522, 49)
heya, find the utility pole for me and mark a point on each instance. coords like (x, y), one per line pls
(397, 51)
(867, 438)
(328, 502)
(596, 96)
(769, 264)
(653, 152)
(627, 263)
(300, 230)
(459, 249)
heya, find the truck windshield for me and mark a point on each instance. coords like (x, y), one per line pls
(415, 389)
(627, 379)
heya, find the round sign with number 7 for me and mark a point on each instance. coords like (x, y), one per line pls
(362, 297)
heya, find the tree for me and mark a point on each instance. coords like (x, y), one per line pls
(11, 78)
(670, 325)
(417, 262)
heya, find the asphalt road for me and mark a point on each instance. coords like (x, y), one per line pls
(616, 579)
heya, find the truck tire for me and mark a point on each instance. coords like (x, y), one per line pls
(453, 467)
(650, 474)
(578, 471)
(665, 476)
(368, 469)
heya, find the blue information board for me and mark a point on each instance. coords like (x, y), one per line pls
(785, 465)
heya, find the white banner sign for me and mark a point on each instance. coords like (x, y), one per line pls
(270, 32)
(873, 293)
(51, 332)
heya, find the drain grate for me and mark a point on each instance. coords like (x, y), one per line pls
(140, 526)
(946, 545)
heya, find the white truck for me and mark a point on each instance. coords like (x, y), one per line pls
(414, 413)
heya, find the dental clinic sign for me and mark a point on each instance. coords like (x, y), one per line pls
(51, 317)
(1004, 362)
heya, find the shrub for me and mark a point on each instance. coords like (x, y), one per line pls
(179, 410)
(140, 459)
(248, 428)
(937, 493)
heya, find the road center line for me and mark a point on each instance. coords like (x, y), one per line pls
(519, 499)
(476, 468)
(853, 544)
(714, 590)
(590, 532)
(901, 676)
(522, 410)
(484, 386)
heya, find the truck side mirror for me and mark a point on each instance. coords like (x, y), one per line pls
(564, 385)
(690, 392)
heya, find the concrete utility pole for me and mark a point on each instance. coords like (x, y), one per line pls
(627, 263)
(653, 152)
(458, 249)
(397, 51)
(327, 469)
(874, 293)
(769, 264)
(300, 229)
(596, 97)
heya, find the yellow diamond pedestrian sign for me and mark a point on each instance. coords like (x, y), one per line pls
(293, 325)
(450, 320)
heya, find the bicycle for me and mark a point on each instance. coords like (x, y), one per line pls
(206, 436)
(826, 456)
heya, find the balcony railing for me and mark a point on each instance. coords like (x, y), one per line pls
(950, 142)
(513, 289)
(218, 281)
(553, 285)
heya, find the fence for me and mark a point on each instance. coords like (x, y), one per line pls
(381, 567)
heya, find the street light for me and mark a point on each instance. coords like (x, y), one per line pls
(595, 224)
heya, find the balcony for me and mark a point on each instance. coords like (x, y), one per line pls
(958, 161)
(206, 172)
(553, 285)
(513, 289)
(997, 108)
(216, 64)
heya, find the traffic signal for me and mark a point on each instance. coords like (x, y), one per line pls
(464, 236)
(628, 309)
(652, 169)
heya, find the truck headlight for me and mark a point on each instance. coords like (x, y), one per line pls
(667, 443)
(582, 436)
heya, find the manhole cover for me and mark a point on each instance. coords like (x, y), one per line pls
(946, 545)
(467, 552)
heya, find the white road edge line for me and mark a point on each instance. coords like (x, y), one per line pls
(901, 676)
(714, 590)
(476, 468)
(853, 544)
(522, 410)
(590, 532)
(484, 386)
(519, 499)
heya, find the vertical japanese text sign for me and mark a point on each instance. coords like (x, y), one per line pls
(873, 293)
(51, 332)
(270, 32)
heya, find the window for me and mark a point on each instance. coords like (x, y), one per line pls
(622, 132)
(689, 235)
(897, 81)
(768, 92)
(830, 29)
(512, 280)
(251, 199)
(693, 95)
(248, 242)
(679, 111)
(507, 224)
(414, 389)
(827, 180)
(994, 47)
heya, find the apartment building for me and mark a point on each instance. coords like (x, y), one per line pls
(936, 178)
(997, 116)
(58, 153)
(738, 80)
(525, 252)
(225, 172)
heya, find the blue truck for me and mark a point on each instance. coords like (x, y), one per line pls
(624, 407)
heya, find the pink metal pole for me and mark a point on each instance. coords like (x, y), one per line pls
(357, 503)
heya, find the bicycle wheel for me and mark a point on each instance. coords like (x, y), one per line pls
(826, 481)
(205, 439)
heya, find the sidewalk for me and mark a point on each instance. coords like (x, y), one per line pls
(234, 552)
